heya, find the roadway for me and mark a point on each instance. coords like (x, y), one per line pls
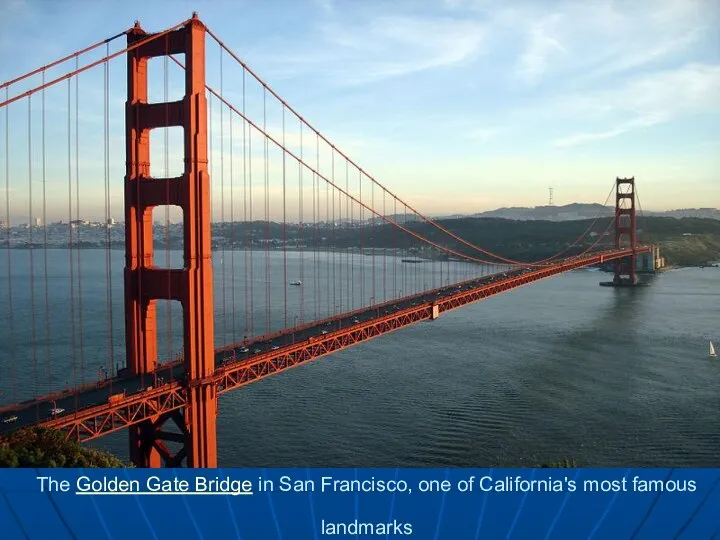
(34, 411)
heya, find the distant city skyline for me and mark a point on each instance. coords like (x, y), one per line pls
(458, 107)
(580, 211)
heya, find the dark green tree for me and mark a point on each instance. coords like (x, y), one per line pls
(38, 447)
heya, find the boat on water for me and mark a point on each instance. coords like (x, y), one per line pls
(713, 354)
(297, 283)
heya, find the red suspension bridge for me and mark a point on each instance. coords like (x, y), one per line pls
(292, 252)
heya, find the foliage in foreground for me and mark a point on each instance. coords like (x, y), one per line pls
(38, 447)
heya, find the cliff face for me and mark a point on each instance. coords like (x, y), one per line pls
(693, 250)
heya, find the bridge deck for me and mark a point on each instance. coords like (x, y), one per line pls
(89, 414)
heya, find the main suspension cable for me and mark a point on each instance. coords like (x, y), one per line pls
(75, 55)
(106, 59)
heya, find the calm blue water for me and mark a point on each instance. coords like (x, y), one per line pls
(559, 369)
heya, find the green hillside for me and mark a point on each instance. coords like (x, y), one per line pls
(685, 241)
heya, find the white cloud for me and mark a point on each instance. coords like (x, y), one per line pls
(325, 5)
(383, 47)
(541, 47)
(637, 123)
(582, 42)
(648, 100)
(483, 135)
(643, 55)
(692, 88)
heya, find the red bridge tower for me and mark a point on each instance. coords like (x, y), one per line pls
(191, 285)
(625, 230)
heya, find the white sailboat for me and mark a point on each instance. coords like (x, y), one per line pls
(713, 354)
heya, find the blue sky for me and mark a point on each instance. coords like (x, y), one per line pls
(456, 105)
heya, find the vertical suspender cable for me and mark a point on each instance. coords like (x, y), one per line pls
(211, 170)
(8, 226)
(384, 244)
(328, 254)
(442, 283)
(284, 181)
(405, 287)
(352, 227)
(334, 241)
(32, 258)
(455, 268)
(416, 284)
(245, 218)
(232, 235)
(108, 252)
(252, 225)
(213, 200)
(396, 251)
(223, 236)
(374, 243)
(300, 229)
(362, 243)
(318, 232)
(341, 284)
(70, 242)
(348, 244)
(316, 185)
(425, 266)
(266, 172)
(45, 240)
(78, 252)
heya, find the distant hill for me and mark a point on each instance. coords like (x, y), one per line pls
(578, 211)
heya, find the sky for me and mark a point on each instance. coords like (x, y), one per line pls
(457, 106)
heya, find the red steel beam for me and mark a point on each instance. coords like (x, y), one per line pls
(96, 421)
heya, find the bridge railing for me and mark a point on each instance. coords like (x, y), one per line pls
(316, 322)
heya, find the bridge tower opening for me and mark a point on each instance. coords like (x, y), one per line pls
(191, 285)
(625, 230)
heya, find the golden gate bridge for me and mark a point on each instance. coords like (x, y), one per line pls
(270, 277)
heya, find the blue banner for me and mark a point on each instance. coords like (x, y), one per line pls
(289, 504)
